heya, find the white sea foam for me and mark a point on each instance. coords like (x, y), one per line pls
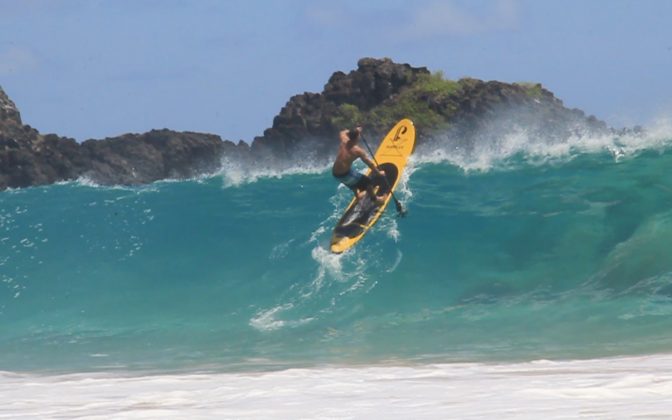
(84, 181)
(491, 152)
(397, 260)
(328, 264)
(329, 271)
(87, 182)
(236, 173)
(344, 272)
(602, 388)
(266, 320)
(484, 153)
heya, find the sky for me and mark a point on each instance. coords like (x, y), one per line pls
(101, 68)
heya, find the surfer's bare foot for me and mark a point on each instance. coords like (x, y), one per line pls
(380, 199)
(360, 194)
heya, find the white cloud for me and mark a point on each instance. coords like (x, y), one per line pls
(439, 18)
(15, 60)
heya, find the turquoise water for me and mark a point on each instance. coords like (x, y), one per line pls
(526, 259)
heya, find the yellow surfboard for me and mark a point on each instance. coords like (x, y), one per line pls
(391, 156)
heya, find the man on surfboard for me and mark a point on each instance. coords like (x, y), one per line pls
(348, 152)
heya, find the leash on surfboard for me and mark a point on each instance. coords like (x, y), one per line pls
(400, 209)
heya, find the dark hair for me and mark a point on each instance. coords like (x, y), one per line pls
(353, 134)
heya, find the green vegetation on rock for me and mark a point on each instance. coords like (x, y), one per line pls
(428, 102)
(347, 116)
(533, 90)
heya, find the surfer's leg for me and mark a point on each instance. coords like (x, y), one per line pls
(379, 199)
(366, 186)
(362, 186)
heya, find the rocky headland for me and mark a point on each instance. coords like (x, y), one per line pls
(376, 95)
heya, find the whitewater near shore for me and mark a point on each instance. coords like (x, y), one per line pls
(634, 387)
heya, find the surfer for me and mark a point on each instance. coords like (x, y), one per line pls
(348, 152)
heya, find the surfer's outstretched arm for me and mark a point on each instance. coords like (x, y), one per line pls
(362, 155)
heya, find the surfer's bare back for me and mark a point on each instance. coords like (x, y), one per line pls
(348, 152)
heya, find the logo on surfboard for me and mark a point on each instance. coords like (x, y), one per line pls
(399, 139)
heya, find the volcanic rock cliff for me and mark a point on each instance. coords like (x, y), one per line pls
(376, 94)
(29, 158)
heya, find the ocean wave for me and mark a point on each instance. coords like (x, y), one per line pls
(548, 261)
